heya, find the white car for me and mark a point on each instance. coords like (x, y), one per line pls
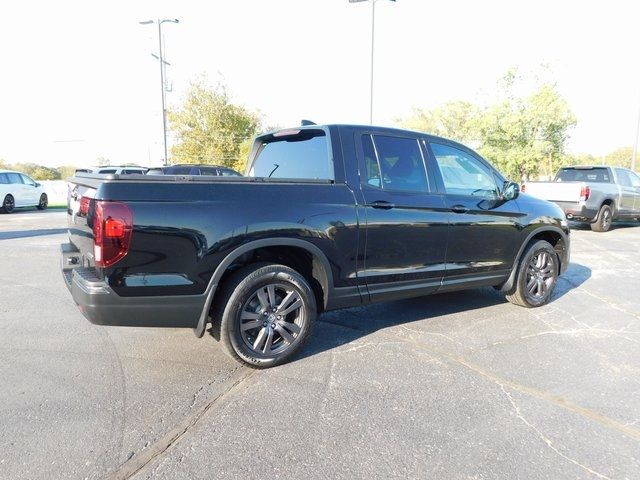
(126, 170)
(18, 190)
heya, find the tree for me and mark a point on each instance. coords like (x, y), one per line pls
(66, 171)
(37, 172)
(523, 133)
(209, 128)
(103, 162)
(620, 157)
(526, 135)
(457, 120)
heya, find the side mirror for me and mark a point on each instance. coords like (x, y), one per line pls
(38, 184)
(510, 191)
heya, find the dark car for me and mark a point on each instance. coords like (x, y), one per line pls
(328, 217)
(191, 169)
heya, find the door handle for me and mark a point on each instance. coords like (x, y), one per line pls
(382, 205)
(459, 209)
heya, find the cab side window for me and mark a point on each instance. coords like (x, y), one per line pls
(464, 174)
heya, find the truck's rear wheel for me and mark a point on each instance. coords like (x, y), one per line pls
(266, 313)
(603, 222)
(537, 276)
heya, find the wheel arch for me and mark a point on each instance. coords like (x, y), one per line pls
(555, 236)
(318, 270)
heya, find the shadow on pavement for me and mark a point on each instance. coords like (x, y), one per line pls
(362, 321)
(31, 233)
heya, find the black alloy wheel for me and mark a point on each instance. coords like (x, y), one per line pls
(537, 275)
(271, 319)
(44, 202)
(8, 204)
(264, 314)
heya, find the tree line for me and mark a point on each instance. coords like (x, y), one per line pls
(523, 131)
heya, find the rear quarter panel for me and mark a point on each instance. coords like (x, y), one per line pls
(183, 231)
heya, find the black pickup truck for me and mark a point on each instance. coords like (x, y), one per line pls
(326, 217)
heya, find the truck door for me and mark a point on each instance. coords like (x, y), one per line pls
(627, 192)
(635, 183)
(484, 232)
(406, 222)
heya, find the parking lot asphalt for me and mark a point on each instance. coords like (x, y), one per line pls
(459, 385)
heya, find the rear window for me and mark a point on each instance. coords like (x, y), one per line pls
(302, 154)
(594, 175)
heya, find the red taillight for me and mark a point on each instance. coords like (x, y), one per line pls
(84, 206)
(585, 191)
(112, 227)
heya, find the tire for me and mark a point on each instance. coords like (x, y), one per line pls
(44, 202)
(251, 328)
(536, 277)
(8, 204)
(604, 219)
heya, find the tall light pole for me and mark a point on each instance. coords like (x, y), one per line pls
(162, 85)
(634, 157)
(373, 26)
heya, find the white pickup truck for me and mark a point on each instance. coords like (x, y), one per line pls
(594, 194)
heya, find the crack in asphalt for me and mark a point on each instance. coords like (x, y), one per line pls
(546, 439)
(558, 401)
(137, 463)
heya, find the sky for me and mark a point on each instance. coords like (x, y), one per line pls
(78, 82)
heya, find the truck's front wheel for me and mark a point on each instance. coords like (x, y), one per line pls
(536, 276)
(266, 312)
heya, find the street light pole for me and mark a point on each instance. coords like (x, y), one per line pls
(634, 157)
(162, 86)
(162, 91)
(373, 26)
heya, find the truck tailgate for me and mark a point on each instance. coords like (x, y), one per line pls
(555, 191)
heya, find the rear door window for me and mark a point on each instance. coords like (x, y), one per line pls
(297, 154)
(14, 178)
(394, 163)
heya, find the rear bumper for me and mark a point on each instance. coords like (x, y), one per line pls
(578, 211)
(102, 306)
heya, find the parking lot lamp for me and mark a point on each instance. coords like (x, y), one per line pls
(373, 25)
(162, 86)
